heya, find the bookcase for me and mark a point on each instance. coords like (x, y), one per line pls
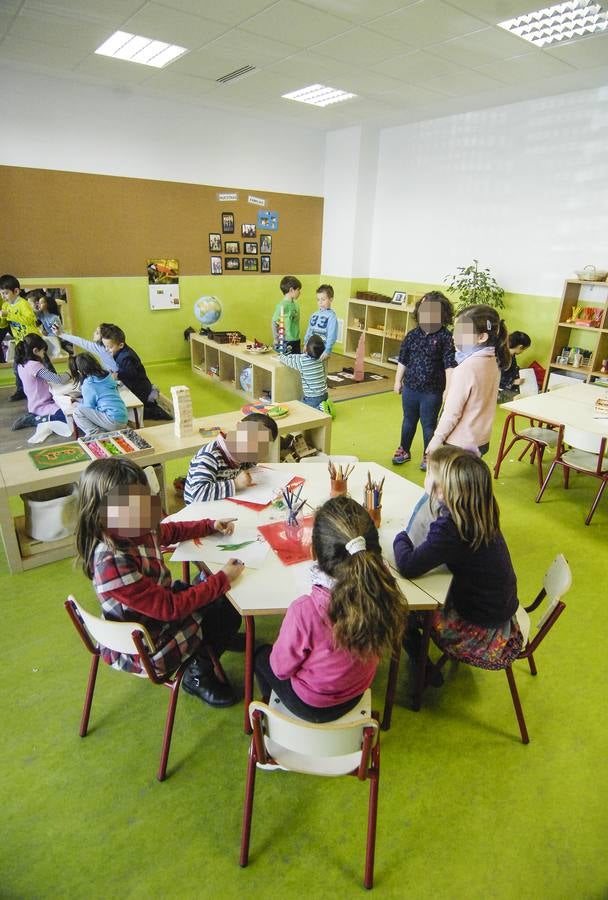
(384, 326)
(582, 325)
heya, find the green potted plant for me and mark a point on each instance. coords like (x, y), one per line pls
(473, 285)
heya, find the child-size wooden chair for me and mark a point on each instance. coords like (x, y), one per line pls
(536, 437)
(556, 583)
(130, 638)
(348, 746)
(583, 452)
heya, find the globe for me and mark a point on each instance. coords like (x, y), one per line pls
(207, 310)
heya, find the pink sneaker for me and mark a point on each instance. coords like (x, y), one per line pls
(400, 456)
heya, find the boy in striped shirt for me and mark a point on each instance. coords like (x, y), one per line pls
(312, 371)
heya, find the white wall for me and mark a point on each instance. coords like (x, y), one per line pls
(523, 188)
(58, 124)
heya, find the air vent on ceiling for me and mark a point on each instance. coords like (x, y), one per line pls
(238, 73)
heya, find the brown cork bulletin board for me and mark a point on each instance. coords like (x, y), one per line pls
(56, 223)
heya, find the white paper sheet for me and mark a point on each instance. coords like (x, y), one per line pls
(208, 549)
(267, 484)
(530, 384)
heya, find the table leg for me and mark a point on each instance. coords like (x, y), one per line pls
(503, 440)
(422, 659)
(249, 652)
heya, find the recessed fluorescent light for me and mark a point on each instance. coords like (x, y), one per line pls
(137, 49)
(318, 95)
(559, 24)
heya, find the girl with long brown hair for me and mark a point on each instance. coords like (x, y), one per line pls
(331, 639)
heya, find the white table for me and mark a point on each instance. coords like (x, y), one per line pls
(271, 589)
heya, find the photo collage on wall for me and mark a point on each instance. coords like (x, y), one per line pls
(247, 249)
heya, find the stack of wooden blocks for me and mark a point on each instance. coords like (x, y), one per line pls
(182, 410)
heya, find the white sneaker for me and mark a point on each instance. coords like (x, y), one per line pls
(61, 428)
(43, 431)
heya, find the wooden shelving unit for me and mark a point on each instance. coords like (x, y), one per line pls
(384, 326)
(586, 337)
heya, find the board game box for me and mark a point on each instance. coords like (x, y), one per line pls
(116, 443)
(58, 455)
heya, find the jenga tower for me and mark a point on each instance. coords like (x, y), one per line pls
(182, 410)
(358, 370)
(281, 332)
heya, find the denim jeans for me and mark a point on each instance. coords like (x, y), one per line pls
(315, 402)
(418, 406)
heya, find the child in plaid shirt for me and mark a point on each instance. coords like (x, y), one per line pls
(119, 537)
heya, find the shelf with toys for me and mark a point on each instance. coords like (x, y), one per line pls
(384, 326)
(580, 341)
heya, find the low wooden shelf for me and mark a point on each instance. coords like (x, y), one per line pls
(384, 326)
(569, 334)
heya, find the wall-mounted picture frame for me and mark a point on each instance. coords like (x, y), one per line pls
(232, 247)
(264, 264)
(266, 243)
(248, 230)
(250, 247)
(232, 263)
(227, 223)
(250, 264)
(216, 265)
(215, 242)
(399, 297)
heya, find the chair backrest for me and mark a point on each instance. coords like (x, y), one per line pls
(329, 749)
(115, 636)
(582, 440)
(557, 581)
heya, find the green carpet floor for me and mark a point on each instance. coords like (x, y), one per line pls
(466, 811)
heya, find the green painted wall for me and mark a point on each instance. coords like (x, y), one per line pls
(248, 303)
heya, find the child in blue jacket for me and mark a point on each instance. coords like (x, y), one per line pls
(102, 408)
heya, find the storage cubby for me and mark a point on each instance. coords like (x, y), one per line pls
(385, 326)
(585, 304)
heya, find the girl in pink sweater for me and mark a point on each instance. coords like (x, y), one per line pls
(331, 639)
(480, 336)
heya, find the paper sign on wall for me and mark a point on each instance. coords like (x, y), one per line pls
(268, 220)
(227, 197)
(257, 201)
(163, 283)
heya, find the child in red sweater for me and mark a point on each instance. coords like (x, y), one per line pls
(119, 536)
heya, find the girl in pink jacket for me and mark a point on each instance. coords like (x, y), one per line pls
(480, 336)
(331, 639)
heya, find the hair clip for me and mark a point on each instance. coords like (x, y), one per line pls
(488, 325)
(355, 545)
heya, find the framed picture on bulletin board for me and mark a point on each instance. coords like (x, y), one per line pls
(248, 230)
(265, 243)
(232, 262)
(250, 264)
(232, 247)
(215, 243)
(251, 247)
(227, 223)
(264, 263)
(216, 265)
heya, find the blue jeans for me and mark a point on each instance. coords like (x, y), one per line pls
(418, 406)
(315, 402)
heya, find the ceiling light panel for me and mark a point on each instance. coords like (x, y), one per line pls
(559, 24)
(138, 49)
(318, 95)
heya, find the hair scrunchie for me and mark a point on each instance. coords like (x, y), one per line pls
(356, 545)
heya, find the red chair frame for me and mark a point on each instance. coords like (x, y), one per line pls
(566, 466)
(537, 447)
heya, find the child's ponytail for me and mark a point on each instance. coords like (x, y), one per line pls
(502, 346)
(367, 608)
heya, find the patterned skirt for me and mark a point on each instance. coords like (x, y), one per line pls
(487, 648)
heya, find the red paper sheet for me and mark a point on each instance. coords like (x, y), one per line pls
(290, 550)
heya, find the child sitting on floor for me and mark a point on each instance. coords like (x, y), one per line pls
(220, 468)
(332, 639)
(102, 408)
(119, 536)
(43, 412)
(477, 623)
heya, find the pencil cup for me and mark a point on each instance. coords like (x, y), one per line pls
(376, 516)
(338, 487)
(293, 531)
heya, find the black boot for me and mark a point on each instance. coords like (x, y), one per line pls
(201, 681)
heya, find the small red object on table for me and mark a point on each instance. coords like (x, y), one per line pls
(289, 551)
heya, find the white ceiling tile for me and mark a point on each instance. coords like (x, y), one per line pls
(230, 12)
(40, 56)
(415, 67)
(114, 71)
(410, 95)
(308, 68)
(296, 24)
(426, 22)
(584, 54)
(361, 47)
(524, 68)
(493, 11)
(58, 29)
(357, 11)
(167, 81)
(255, 49)
(93, 10)
(463, 84)
(164, 24)
(481, 47)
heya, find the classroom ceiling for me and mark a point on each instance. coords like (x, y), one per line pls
(405, 61)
